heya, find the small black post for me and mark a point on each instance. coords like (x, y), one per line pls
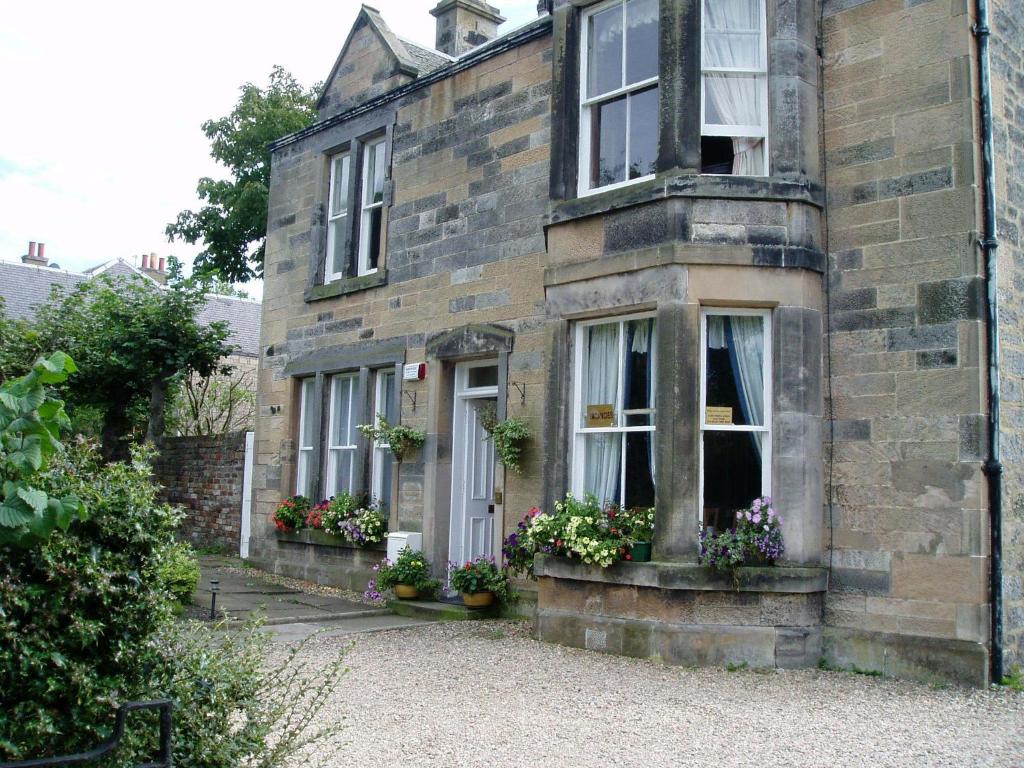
(214, 589)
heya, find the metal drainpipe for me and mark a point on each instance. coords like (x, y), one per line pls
(989, 243)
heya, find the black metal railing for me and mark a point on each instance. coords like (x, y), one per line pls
(163, 759)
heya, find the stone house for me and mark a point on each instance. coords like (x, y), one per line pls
(754, 231)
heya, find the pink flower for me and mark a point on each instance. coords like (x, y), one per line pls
(756, 518)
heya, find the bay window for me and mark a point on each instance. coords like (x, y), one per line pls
(614, 411)
(734, 87)
(307, 438)
(372, 207)
(735, 412)
(384, 403)
(619, 94)
(341, 443)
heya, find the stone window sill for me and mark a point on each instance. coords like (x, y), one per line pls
(346, 285)
(687, 185)
(686, 576)
(321, 539)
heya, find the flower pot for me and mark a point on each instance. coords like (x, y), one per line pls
(641, 551)
(406, 592)
(477, 599)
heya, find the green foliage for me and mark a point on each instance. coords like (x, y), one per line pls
(1014, 680)
(232, 224)
(400, 438)
(132, 341)
(480, 575)
(30, 425)
(733, 667)
(290, 514)
(410, 568)
(21, 345)
(179, 572)
(508, 436)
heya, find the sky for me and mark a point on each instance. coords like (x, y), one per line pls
(100, 142)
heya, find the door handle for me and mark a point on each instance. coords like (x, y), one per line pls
(490, 509)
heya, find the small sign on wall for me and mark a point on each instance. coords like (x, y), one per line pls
(414, 372)
(714, 414)
(602, 415)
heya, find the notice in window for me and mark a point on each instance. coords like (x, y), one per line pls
(717, 415)
(600, 416)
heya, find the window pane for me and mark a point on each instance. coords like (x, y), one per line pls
(608, 143)
(604, 51)
(302, 474)
(336, 245)
(643, 133)
(340, 427)
(340, 471)
(373, 174)
(485, 376)
(739, 50)
(383, 475)
(732, 474)
(308, 438)
(732, 14)
(733, 100)
(601, 465)
(600, 385)
(734, 369)
(339, 185)
(387, 403)
(639, 469)
(638, 376)
(371, 232)
(641, 40)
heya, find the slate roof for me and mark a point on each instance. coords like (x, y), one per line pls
(23, 287)
(427, 59)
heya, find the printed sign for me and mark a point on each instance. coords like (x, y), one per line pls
(717, 415)
(600, 415)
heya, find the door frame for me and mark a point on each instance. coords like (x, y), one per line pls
(460, 409)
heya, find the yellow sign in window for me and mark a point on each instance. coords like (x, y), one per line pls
(714, 414)
(600, 416)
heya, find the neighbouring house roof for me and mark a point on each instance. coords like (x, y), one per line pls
(24, 287)
(427, 59)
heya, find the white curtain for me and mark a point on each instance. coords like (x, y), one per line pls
(746, 353)
(603, 451)
(735, 98)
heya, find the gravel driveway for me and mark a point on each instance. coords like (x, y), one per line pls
(485, 694)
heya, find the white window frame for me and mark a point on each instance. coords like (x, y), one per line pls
(766, 429)
(381, 449)
(304, 454)
(337, 219)
(365, 208)
(587, 104)
(580, 432)
(334, 486)
(739, 131)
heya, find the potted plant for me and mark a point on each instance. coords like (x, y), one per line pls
(508, 436)
(480, 582)
(408, 577)
(399, 438)
(755, 539)
(638, 524)
(290, 514)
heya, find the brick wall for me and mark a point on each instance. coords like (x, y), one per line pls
(909, 543)
(1007, 59)
(204, 476)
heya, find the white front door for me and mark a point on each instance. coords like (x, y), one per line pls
(472, 523)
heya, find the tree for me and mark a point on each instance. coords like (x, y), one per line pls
(233, 223)
(214, 405)
(20, 346)
(132, 342)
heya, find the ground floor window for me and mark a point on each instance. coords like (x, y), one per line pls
(614, 410)
(385, 403)
(341, 444)
(307, 438)
(735, 412)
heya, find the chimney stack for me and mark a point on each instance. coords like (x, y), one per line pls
(544, 7)
(464, 24)
(34, 257)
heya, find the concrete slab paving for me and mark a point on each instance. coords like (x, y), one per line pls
(357, 625)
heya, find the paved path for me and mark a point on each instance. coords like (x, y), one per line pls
(291, 614)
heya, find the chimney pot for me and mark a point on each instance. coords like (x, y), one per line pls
(162, 264)
(464, 24)
(31, 249)
(145, 261)
(35, 256)
(40, 252)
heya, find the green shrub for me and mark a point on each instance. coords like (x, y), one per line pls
(179, 572)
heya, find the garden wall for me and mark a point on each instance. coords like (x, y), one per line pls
(204, 476)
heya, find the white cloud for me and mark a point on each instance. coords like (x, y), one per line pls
(100, 146)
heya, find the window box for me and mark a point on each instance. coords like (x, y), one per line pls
(322, 539)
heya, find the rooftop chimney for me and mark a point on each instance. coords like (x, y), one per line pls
(543, 7)
(36, 259)
(154, 267)
(464, 24)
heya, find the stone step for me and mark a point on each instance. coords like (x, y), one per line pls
(431, 610)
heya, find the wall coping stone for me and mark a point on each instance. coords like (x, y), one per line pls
(322, 539)
(688, 576)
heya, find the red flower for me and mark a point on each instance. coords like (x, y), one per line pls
(629, 557)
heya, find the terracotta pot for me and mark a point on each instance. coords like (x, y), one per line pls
(406, 592)
(477, 599)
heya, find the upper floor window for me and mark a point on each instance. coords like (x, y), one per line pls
(618, 94)
(734, 93)
(355, 210)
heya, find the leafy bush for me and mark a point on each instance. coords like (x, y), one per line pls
(179, 572)
(480, 575)
(410, 568)
(398, 437)
(508, 436)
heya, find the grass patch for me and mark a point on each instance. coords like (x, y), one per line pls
(730, 667)
(853, 669)
(1015, 680)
